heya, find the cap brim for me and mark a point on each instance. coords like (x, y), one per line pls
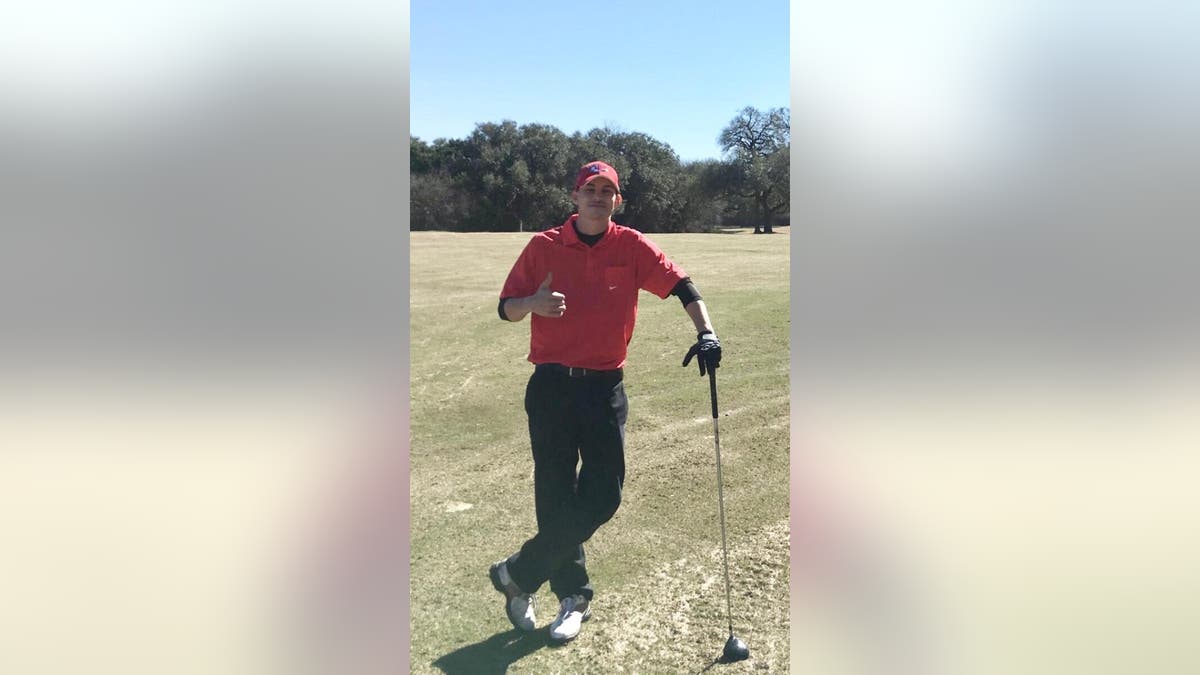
(602, 177)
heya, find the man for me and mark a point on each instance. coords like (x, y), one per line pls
(580, 282)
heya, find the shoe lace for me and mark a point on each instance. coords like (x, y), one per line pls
(569, 604)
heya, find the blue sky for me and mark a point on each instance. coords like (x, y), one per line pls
(678, 71)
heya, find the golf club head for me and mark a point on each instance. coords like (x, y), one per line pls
(736, 650)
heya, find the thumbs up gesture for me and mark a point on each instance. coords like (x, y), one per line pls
(548, 303)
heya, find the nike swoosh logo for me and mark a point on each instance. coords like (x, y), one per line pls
(611, 288)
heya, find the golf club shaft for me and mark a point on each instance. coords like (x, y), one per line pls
(712, 386)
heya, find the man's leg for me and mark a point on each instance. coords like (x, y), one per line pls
(571, 577)
(554, 442)
(601, 409)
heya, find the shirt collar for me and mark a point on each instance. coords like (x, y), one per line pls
(570, 238)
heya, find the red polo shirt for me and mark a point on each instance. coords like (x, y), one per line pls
(601, 286)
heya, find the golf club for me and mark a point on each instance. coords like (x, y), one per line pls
(735, 648)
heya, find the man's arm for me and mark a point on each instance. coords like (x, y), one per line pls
(516, 309)
(544, 302)
(693, 304)
(707, 348)
(698, 311)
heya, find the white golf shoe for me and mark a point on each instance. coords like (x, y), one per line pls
(573, 611)
(518, 605)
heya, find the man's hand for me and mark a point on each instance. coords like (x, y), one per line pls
(546, 302)
(707, 351)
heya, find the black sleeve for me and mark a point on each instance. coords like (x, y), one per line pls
(686, 291)
(500, 309)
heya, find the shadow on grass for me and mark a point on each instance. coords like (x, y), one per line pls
(493, 655)
(720, 660)
(740, 230)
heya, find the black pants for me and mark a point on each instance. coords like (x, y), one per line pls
(571, 420)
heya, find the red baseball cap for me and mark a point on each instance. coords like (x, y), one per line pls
(593, 170)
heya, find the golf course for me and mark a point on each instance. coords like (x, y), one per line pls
(660, 604)
(1003, 518)
(990, 517)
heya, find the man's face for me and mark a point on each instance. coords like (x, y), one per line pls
(597, 199)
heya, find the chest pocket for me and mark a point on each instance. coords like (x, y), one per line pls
(619, 280)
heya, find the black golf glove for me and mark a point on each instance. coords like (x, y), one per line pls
(707, 351)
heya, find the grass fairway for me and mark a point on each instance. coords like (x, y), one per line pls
(657, 569)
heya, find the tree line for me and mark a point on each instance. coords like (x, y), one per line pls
(510, 177)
